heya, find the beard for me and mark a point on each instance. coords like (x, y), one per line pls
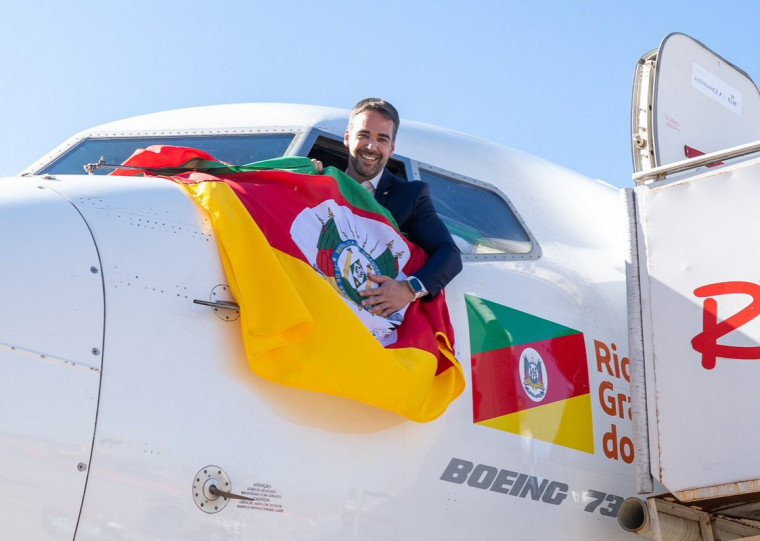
(367, 170)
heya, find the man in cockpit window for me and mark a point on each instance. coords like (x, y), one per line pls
(370, 138)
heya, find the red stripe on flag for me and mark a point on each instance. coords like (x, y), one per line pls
(275, 198)
(497, 386)
(420, 319)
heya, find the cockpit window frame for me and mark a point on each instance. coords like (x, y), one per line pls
(535, 251)
(64, 149)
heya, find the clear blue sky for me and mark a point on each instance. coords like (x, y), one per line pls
(549, 78)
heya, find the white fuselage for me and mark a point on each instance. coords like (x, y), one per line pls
(118, 389)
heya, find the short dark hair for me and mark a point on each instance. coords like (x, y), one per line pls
(381, 106)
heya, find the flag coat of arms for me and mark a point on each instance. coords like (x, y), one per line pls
(529, 375)
(297, 248)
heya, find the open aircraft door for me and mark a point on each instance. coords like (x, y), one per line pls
(694, 286)
(51, 340)
(688, 101)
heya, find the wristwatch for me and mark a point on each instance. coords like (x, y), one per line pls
(416, 286)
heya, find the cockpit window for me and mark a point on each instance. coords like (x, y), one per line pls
(235, 149)
(333, 152)
(480, 220)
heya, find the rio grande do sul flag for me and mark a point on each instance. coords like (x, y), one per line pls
(529, 376)
(296, 249)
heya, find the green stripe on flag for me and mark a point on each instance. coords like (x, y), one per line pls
(494, 326)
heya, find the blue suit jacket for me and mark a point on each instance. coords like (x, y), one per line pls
(410, 204)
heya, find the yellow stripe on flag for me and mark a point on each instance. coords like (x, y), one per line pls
(250, 262)
(297, 330)
(566, 423)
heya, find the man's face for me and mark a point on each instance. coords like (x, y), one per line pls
(369, 139)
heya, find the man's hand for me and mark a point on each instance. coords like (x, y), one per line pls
(318, 165)
(390, 297)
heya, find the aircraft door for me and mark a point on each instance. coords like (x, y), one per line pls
(689, 101)
(51, 336)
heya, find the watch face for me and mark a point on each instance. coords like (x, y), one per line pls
(416, 285)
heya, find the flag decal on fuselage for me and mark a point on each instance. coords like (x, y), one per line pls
(529, 375)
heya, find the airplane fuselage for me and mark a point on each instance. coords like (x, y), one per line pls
(122, 397)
